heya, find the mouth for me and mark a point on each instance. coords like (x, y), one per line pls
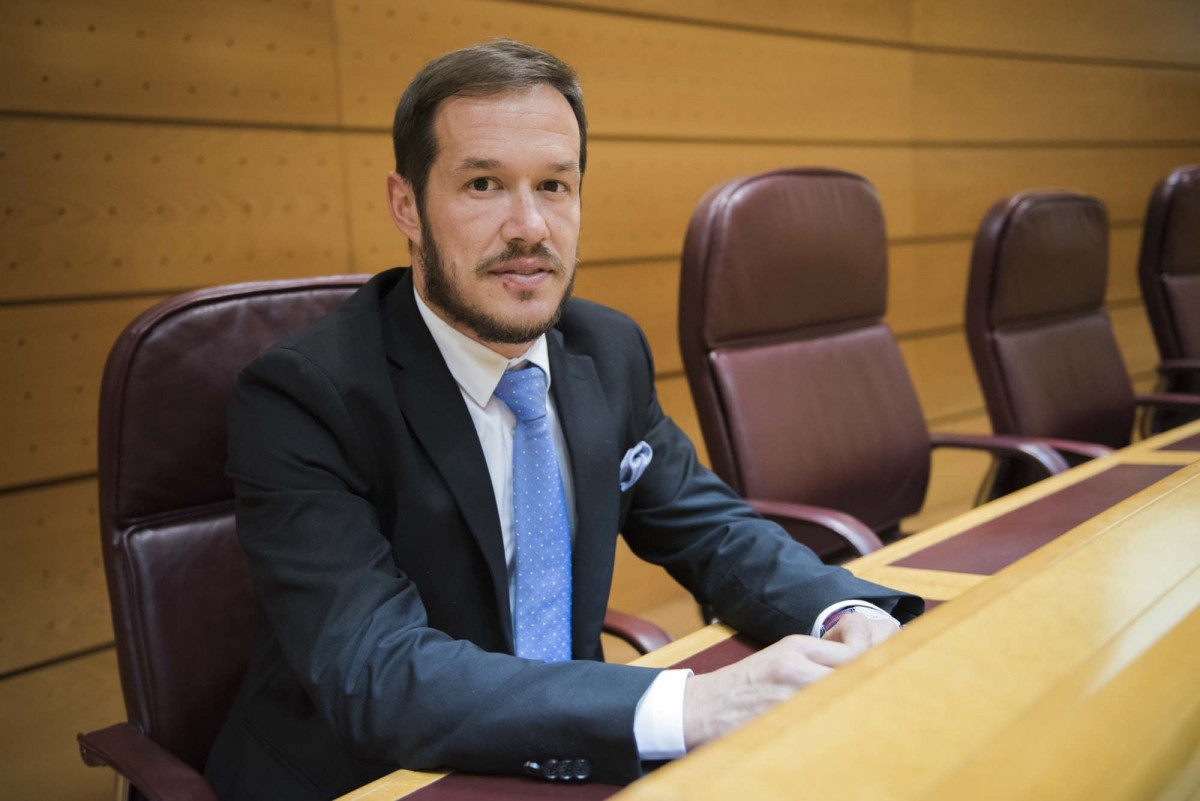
(524, 274)
(523, 267)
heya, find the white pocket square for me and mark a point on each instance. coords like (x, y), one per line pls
(634, 463)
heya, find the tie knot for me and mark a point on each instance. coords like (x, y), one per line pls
(524, 391)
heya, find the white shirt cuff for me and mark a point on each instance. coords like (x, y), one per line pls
(839, 606)
(658, 720)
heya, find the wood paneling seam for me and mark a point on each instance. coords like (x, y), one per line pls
(58, 660)
(29, 486)
(601, 136)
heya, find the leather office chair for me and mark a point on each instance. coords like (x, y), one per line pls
(1042, 344)
(178, 583)
(1169, 272)
(801, 390)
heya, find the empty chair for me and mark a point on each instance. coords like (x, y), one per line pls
(801, 390)
(1042, 344)
(1169, 272)
(179, 585)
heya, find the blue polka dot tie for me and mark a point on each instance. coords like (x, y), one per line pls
(542, 614)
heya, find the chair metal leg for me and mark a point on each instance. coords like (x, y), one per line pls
(120, 788)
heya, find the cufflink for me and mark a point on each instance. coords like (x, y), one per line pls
(560, 770)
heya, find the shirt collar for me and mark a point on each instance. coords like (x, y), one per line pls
(476, 368)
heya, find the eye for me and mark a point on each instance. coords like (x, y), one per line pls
(555, 186)
(481, 184)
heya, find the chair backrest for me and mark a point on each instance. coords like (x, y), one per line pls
(179, 586)
(1042, 344)
(1169, 268)
(802, 393)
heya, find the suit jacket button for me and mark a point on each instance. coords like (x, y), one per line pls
(582, 769)
(552, 770)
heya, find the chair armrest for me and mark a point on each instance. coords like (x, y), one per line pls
(1088, 450)
(1176, 399)
(643, 635)
(857, 534)
(158, 774)
(1034, 452)
(1171, 366)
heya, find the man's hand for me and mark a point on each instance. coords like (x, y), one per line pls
(860, 632)
(716, 703)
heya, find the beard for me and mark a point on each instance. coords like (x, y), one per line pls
(442, 291)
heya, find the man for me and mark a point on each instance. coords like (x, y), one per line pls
(431, 480)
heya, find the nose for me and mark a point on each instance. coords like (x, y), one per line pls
(525, 220)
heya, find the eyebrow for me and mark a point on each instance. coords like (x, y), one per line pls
(470, 164)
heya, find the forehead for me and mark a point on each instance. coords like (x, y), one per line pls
(532, 123)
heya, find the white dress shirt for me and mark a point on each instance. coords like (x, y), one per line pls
(477, 369)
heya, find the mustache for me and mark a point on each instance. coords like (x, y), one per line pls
(519, 250)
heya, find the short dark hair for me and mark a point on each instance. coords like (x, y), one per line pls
(499, 65)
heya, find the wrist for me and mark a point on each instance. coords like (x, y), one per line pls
(836, 613)
(834, 619)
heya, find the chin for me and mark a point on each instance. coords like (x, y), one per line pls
(529, 321)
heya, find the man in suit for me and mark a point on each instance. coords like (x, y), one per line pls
(431, 480)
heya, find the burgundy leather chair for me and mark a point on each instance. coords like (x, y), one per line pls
(1169, 272)
(804, 399)
(178, 582)
(1042, 344)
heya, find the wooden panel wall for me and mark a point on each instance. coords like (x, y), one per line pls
(147, 148)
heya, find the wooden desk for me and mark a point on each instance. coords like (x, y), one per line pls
(1071, 670)
(991, 537)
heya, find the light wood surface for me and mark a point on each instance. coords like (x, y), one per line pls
(109, 209)
(647, 291)
(783, 87)
(644, 586)
(940, 367)
(1136, 703)
(676, 400)
(41, 712)
(679, 617)
(937, 585)
(974, 701)
(957, 184)
(53, 596)
(54, 357)
(206, 59)
(1132, 329)
(394, 785)
(955, 474)
(977, 99)
(868, 19)
(1150, 30)
(1124, 249)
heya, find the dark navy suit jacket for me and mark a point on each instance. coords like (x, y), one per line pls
(383, 629)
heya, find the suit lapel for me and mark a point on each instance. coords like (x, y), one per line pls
(433, 406)
(591, 437)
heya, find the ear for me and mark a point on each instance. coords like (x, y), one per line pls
(402, 203)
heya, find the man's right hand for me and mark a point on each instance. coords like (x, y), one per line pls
(716, 703)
